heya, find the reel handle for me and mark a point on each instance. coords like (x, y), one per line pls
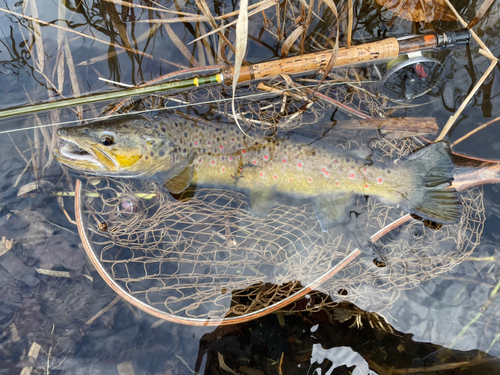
(385, 49)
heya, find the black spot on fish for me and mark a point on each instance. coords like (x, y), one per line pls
(314, 153)
(218, 139)
(146, 157)
(162, 153)
(184, 151)
(224, 132)
(388, 171)
(163, 129)
(176, 124)
(152, 154)
(347, 160)
(203, 128)
(209, 154)
(203, 151)
(239, 145)
(192, 125)
(185, 134)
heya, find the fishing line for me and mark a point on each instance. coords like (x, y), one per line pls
(279, 91)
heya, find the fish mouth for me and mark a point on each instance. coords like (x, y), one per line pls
(84, 159)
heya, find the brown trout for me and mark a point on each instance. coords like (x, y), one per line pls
(181, 153)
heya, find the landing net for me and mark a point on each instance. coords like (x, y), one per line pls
(204, 256)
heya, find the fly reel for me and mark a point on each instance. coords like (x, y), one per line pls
(410, 76)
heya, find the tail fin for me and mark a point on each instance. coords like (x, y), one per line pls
(432, 198)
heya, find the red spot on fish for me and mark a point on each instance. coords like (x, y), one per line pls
(266, 157)
(309, 179)
(352, 175)
(290, 180)
(275, 177)
(419, 68)
(196, 143)
(336, 161)
(380, 180)
(254, 161)
(241, 169)
(284, 160)
(327, 173)
(232, 140)
(221, 147)
(248, 178)
(212, 162)
(367, 186)
(365, 169)
(337, 183)
(200, 160)
(261, 174)
(299, 164)
(244, 151)
(223, 169)
(209, 143)
(231, 158)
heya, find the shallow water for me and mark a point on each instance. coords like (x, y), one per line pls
(53, 324)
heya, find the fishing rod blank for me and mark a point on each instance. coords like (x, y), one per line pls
(381, 50)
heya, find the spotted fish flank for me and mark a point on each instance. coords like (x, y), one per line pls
(185, 153)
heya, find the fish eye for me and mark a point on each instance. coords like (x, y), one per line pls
(106, 139)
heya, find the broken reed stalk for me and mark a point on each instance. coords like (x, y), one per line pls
(454, 117)
(474, 131)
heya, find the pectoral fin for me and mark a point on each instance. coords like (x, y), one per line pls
(331, 210)
(180, 182)
(261, 200)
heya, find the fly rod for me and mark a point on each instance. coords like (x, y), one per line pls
(385, 49)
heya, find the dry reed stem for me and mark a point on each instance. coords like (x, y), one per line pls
(474, 35)
(190, 17)
(75, 32)
(306, 26)
(474, 131)
(454, 117)
(266, 4)
(180, 45)
(288, 43)
(241, 48)
(208, 48)
(350, 21)
(202, 5)
(104, 310)
(480, 13)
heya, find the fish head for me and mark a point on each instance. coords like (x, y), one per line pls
(122, 147)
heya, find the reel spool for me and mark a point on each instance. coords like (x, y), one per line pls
(410, 76)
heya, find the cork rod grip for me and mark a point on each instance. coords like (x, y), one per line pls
(387, 48)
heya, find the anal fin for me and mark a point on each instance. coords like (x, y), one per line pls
(261, 200)
(331, 210)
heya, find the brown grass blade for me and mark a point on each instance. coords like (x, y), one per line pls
(40, 53)
(265, 5)
(288, 43)
(306, 26)
(75, 32)
(206, 11)
(180, 45)
(350, 19)
(335, 51)
(241, 48)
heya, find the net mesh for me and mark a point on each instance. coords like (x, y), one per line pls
(205, 256)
